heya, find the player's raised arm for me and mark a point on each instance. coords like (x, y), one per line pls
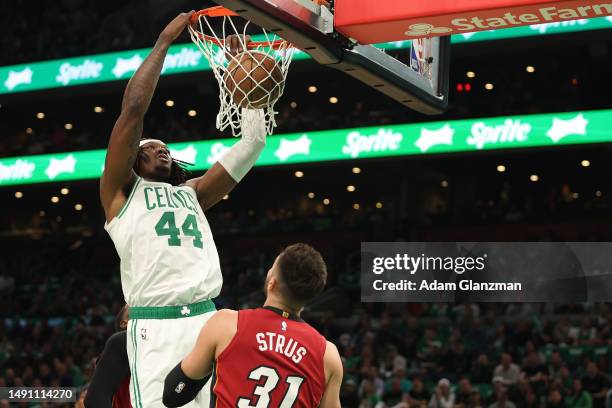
(333, 374)
(122, 150)
(234, 164)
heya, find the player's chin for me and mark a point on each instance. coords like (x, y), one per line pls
(163, 164)
(163, 169)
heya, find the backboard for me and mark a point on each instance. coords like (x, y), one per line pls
(421, 84)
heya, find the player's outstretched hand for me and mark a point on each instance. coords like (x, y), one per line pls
(234, 44)
(176, 26)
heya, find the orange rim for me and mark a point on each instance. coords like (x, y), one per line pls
(220, 11)
(217, 11)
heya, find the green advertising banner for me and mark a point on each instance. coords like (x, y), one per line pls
(346, 144)
(183, 58)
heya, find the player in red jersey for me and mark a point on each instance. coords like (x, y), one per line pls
(110, 385)
(267, 357)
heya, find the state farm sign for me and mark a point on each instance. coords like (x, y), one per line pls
(391, 20)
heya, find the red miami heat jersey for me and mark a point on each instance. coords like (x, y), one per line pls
(121, 398)
(272, 362)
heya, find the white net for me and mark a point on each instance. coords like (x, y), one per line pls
(253, 78)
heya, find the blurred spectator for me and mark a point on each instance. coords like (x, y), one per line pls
(370, 374)
(596, 384)
(443, 396)
(418, 396)
(535, 372)
(475, 399)
(367, 395)
(455, 360)
(482, 370)
(579, 397)
(395, 392)
(464, 393)
(348, 394)
(507, 371)
(501, 398)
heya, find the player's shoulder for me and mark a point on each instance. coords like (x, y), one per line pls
(331, 349)
(331, 359)
(332, 355)
(222, 318)
(118, 341)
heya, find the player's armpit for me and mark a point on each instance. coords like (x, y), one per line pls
(212, 186)
(235, 162)
(333, 375)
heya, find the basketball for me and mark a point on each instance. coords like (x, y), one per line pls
(253, 79)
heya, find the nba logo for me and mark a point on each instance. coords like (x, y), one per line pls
(284, 326)
(179, 387)
(143, 333)
(420, 53)
(416, 55)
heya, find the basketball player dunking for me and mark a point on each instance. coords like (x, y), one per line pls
(155, 216)
(266, 357)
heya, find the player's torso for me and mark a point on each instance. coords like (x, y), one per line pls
(271, 362)
(168, 256)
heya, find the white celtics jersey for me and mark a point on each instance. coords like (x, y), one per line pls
(168, 256)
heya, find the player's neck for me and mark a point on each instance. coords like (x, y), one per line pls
(272, 302)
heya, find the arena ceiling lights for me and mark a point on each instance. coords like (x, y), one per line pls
(472, 135)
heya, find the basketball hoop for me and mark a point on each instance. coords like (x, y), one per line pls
(263, 66)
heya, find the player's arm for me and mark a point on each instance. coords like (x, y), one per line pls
(123, 145)
(333, 374)
(234, 164)
(111, 370)
(194, 370)
(240, 158)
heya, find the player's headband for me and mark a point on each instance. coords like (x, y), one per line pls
(145, 141)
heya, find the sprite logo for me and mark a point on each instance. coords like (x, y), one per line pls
(125, 65)
(561, 128)
(544, 28)
(188, 154)
(23, 77)
(536, 16)
(383, 140)
(216, 151)
(288, 148)
(20, 170)
(510, 131)
(185, 58)
(87, 70)
(430, 138)
(59, 166)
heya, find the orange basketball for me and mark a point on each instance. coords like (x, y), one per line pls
(253, 79)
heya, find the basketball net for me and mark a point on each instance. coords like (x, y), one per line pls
(211, 43)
